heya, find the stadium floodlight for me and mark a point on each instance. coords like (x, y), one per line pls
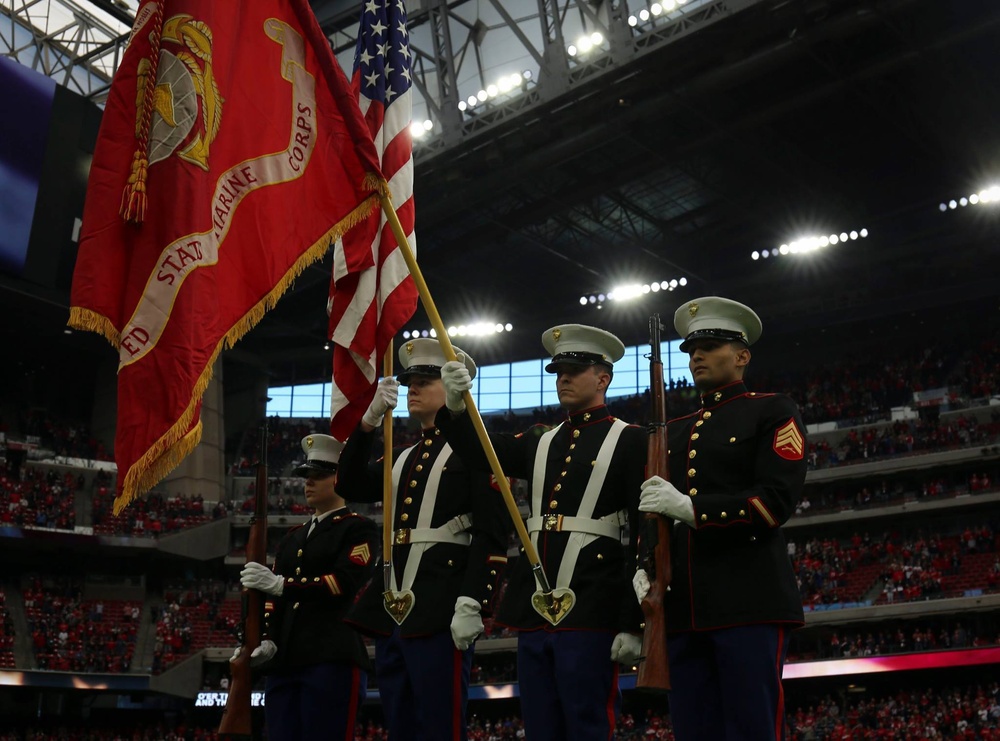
(983, 197)
(630, 291)
(811, 243)
(473, 329)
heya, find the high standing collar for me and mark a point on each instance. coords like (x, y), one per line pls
(723, 394)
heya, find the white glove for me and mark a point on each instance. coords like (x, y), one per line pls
(386, 396)
(640, 584)
(626, 648)
(258, 576)
(663, 498)
(456, 379)
(467, 624)
(264, 652)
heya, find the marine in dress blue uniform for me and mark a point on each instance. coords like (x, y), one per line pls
(736, 473)
(585, 477)
(449, 550)
(316, 664)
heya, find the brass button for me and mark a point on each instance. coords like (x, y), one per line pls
(557, 487)
(695, 436)
(642, 626)
(485, 602)
(437, 431)
(576, 433)
(297, 571)
(718, 396)
(420, 467)
(723, 515)
(553, 504)
(267, 614)
(569, 458)
(693, 492)
(699, 423)
(425, 456)
(562, 473)
(450, 562)
(315, 578)
(600, 556)
(593, 463)
(692, 453)
(304, 580)
(586, 417)
(743, 513)
(572, 445)
(706, 415)
(691, 473)
(412, 484)
(428, 442)
(408, 500)
(299, 554)
(732, 439)
(493, 572)
(752, 393)
(753, 538)
(404, 517)
(489, 587)
(704, 518)
(295, 606)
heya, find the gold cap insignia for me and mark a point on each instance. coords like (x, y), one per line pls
(693, 308)
(556, 334)
(309, 442)
(409, 348)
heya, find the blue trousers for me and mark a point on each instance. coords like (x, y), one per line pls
(727, 684)
(424, 685)
(315, 702)
(569, 685)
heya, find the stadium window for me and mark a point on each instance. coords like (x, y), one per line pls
(526, 384)
(497, 388)
(280, 404)
(310, 400)
(492, 387)
(630, 374)
(675, 364)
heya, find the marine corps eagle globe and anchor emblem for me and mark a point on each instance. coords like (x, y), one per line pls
(187, 105)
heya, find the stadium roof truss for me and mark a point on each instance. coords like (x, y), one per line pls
(78, 44)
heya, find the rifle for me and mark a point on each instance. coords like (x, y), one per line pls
(236, 723)
(654, 540)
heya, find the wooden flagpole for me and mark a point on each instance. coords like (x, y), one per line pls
(470, 405)
(387, 482)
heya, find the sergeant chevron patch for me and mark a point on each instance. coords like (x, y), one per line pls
(360, 554)
(788, 441)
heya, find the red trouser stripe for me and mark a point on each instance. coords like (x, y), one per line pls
(352, 708)
(612, 697)
(456, 697)
(779, 716)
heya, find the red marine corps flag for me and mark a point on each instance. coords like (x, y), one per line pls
(372, 293)
(232, 154)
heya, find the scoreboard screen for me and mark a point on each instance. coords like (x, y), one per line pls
(23, 138)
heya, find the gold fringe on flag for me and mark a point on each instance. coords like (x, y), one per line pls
(177, 443)
(90, 321)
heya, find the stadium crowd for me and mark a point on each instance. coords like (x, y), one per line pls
(69, 633)
(970, 713)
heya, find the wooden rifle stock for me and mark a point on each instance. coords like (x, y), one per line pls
(654, 540)
(236, 722)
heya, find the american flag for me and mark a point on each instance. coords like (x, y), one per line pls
(372, 293)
